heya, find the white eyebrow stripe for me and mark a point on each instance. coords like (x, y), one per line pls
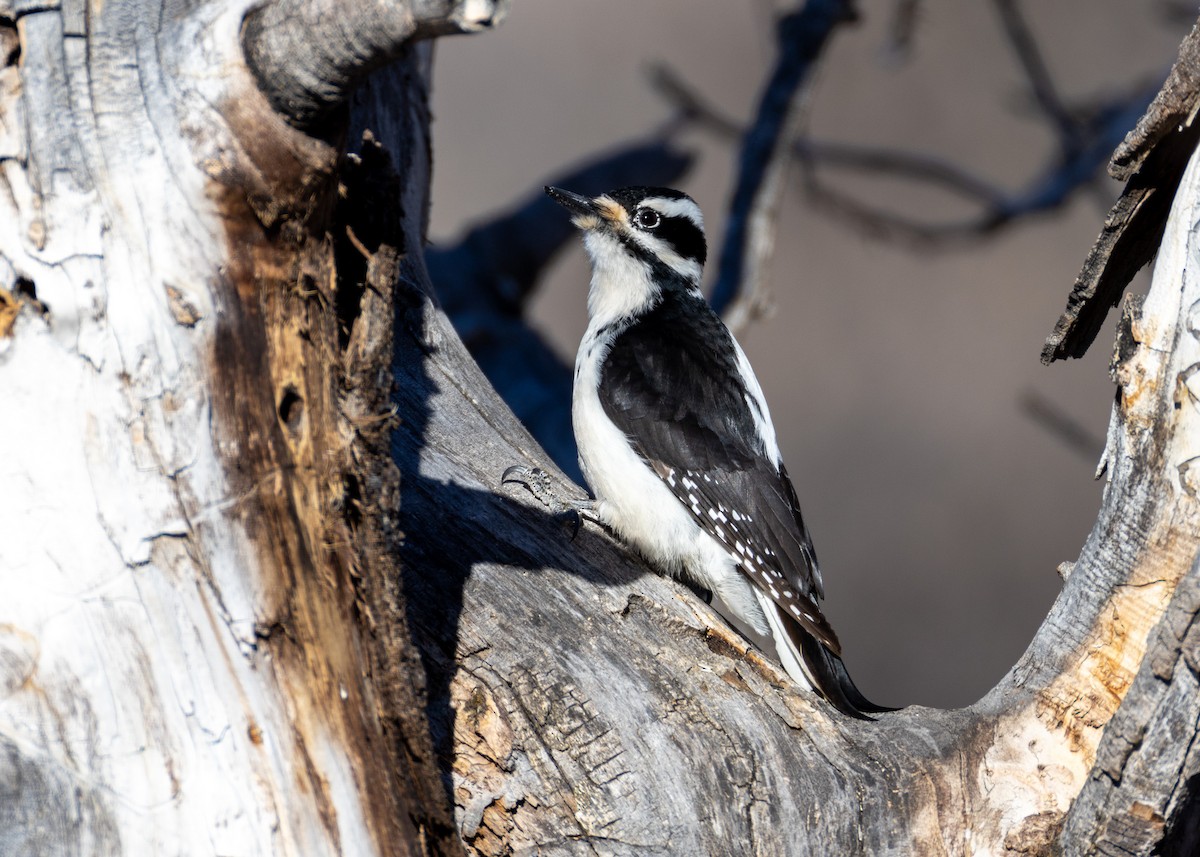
(675, 208)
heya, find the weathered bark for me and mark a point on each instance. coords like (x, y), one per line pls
(1151, 159)
(246, 454)
(308, 55)
(203, 646)
(1141, 797)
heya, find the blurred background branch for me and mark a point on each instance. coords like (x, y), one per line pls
(1086, 136)
(801, 37)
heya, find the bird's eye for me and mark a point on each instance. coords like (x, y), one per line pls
(647, 218)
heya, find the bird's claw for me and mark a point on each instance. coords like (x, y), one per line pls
(535, 480)
(568, 513)
(570, 519)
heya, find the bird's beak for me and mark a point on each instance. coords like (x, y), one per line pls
(585, 213)
(572, 202)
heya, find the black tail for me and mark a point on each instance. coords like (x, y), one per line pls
(828, 675)
(810, 661)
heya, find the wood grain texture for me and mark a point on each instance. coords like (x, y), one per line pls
(1141, 797)
(202, 643)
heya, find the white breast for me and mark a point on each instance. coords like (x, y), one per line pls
(638, 505)
(630, 497)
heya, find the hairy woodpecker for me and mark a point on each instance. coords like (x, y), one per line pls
(675, 439)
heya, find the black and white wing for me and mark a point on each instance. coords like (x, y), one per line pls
(671, 383)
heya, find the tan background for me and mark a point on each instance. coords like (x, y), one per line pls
(938, 507)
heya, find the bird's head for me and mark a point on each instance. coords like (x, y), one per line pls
(655, 230)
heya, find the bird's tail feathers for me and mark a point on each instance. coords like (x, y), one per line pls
(809, 661)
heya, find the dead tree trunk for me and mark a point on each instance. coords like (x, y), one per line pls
(203, 646)
(246, 456)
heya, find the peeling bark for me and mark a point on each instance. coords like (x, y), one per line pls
(1151, 160)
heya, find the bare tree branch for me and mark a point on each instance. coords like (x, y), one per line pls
(999, 207)
(1050, 415)
(308, 55)
(694, 108)
(1041, 84)
(1046, 192)
(902, 27)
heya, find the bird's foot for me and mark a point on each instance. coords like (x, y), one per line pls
(569, 513)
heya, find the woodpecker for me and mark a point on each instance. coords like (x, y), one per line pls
(676, 442)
